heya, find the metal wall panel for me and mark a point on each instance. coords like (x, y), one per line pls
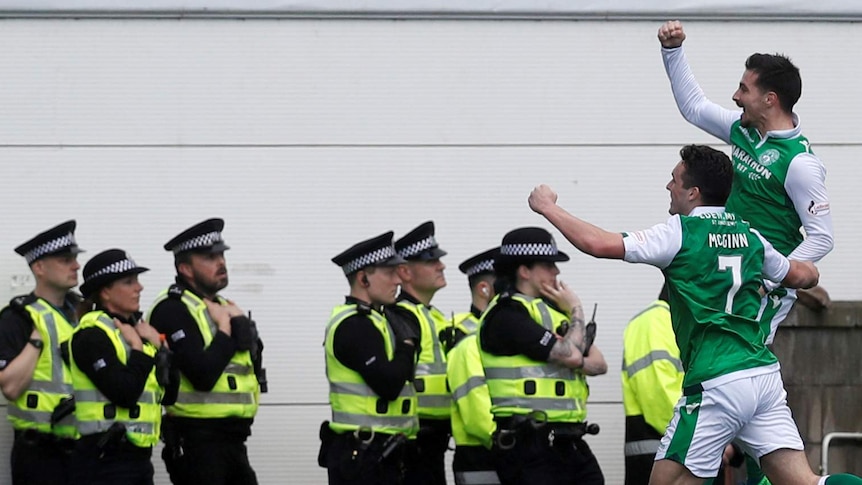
(309, 135)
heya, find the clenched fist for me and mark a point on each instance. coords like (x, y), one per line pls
(671, 34)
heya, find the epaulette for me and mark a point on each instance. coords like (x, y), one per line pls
(363, 308)
(175, 291)
(21, 301)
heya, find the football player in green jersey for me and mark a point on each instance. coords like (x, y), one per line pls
(715, 265)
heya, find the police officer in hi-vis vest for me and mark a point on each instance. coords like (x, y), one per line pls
(536, 354)
(421, 277)
(33, 376)
(479, 270)
(473, 424)
(369, 365)
(119, 383)
(218, 353)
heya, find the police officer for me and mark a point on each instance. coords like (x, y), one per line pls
(652, 384)
(536, 355)
(369, 365)
(480, 278)
(421, 277)
(117, 394)
(472, 422)
(33, 376)
(217, 352)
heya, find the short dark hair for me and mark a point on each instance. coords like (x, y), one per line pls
(474, 280)
(709, 170)
(184, 257)
(776, 73)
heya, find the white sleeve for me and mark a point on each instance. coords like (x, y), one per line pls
(657, 245)
(692, 103)
(806, 187)
(775, 265)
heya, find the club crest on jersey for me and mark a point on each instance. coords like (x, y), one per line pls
(769, 157)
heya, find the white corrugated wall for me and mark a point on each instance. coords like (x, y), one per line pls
(308, 135)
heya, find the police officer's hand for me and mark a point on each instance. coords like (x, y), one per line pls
(148, 333)
(671, 34)
(563, 297)
(130, 335)
(220, 315)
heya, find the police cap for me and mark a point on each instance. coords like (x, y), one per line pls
(57, 240)
(526, 245)
(419, 244)
(377, 251)
(203, 237)
(480, 263)
(107, 267)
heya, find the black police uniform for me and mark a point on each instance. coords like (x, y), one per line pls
(38, 458)
(426, 465)
(508, 329)
(209, 451)
(357, 345)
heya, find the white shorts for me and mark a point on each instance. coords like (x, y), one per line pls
(751, 410)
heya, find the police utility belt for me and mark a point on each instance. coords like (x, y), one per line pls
(511, 429)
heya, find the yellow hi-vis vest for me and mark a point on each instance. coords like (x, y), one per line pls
(466, 322)
(520, 385)
(354, 404)
(651, 377)
(430, 380)
(51, 381)
(236, 393)
(472, 422)
(95, 413)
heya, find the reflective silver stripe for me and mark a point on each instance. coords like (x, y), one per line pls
(95, 395)
(547, 371)
(340, 316)
(93, 427)
(465, 388)
(196, 397)
(109, 322)
(435, 342)
(643, 447)
(547, 321)
(400, 422)
(43, 417)
(426, 401)
(56, 361)
(355, 389)
(648, 359)
(543, 403)
(238, 369)
(470, 325)
(50, 387)
(431, 368)
(477, 478)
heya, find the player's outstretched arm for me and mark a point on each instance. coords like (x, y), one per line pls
(588, 238)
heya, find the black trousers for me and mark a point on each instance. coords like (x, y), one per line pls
(40, 459)
(534, 460)
(638, 469)
(115, 464)
(210, 459)
(425, 462)
(351, 462)
(474, 465)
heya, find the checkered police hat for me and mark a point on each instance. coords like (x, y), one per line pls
(204, 237)
(419, 244)
(480, 263)
(107, 267)
(377, 251)
(57, 240)
(528, 244)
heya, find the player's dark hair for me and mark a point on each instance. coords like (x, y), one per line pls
(709, 170)
(776, 73)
